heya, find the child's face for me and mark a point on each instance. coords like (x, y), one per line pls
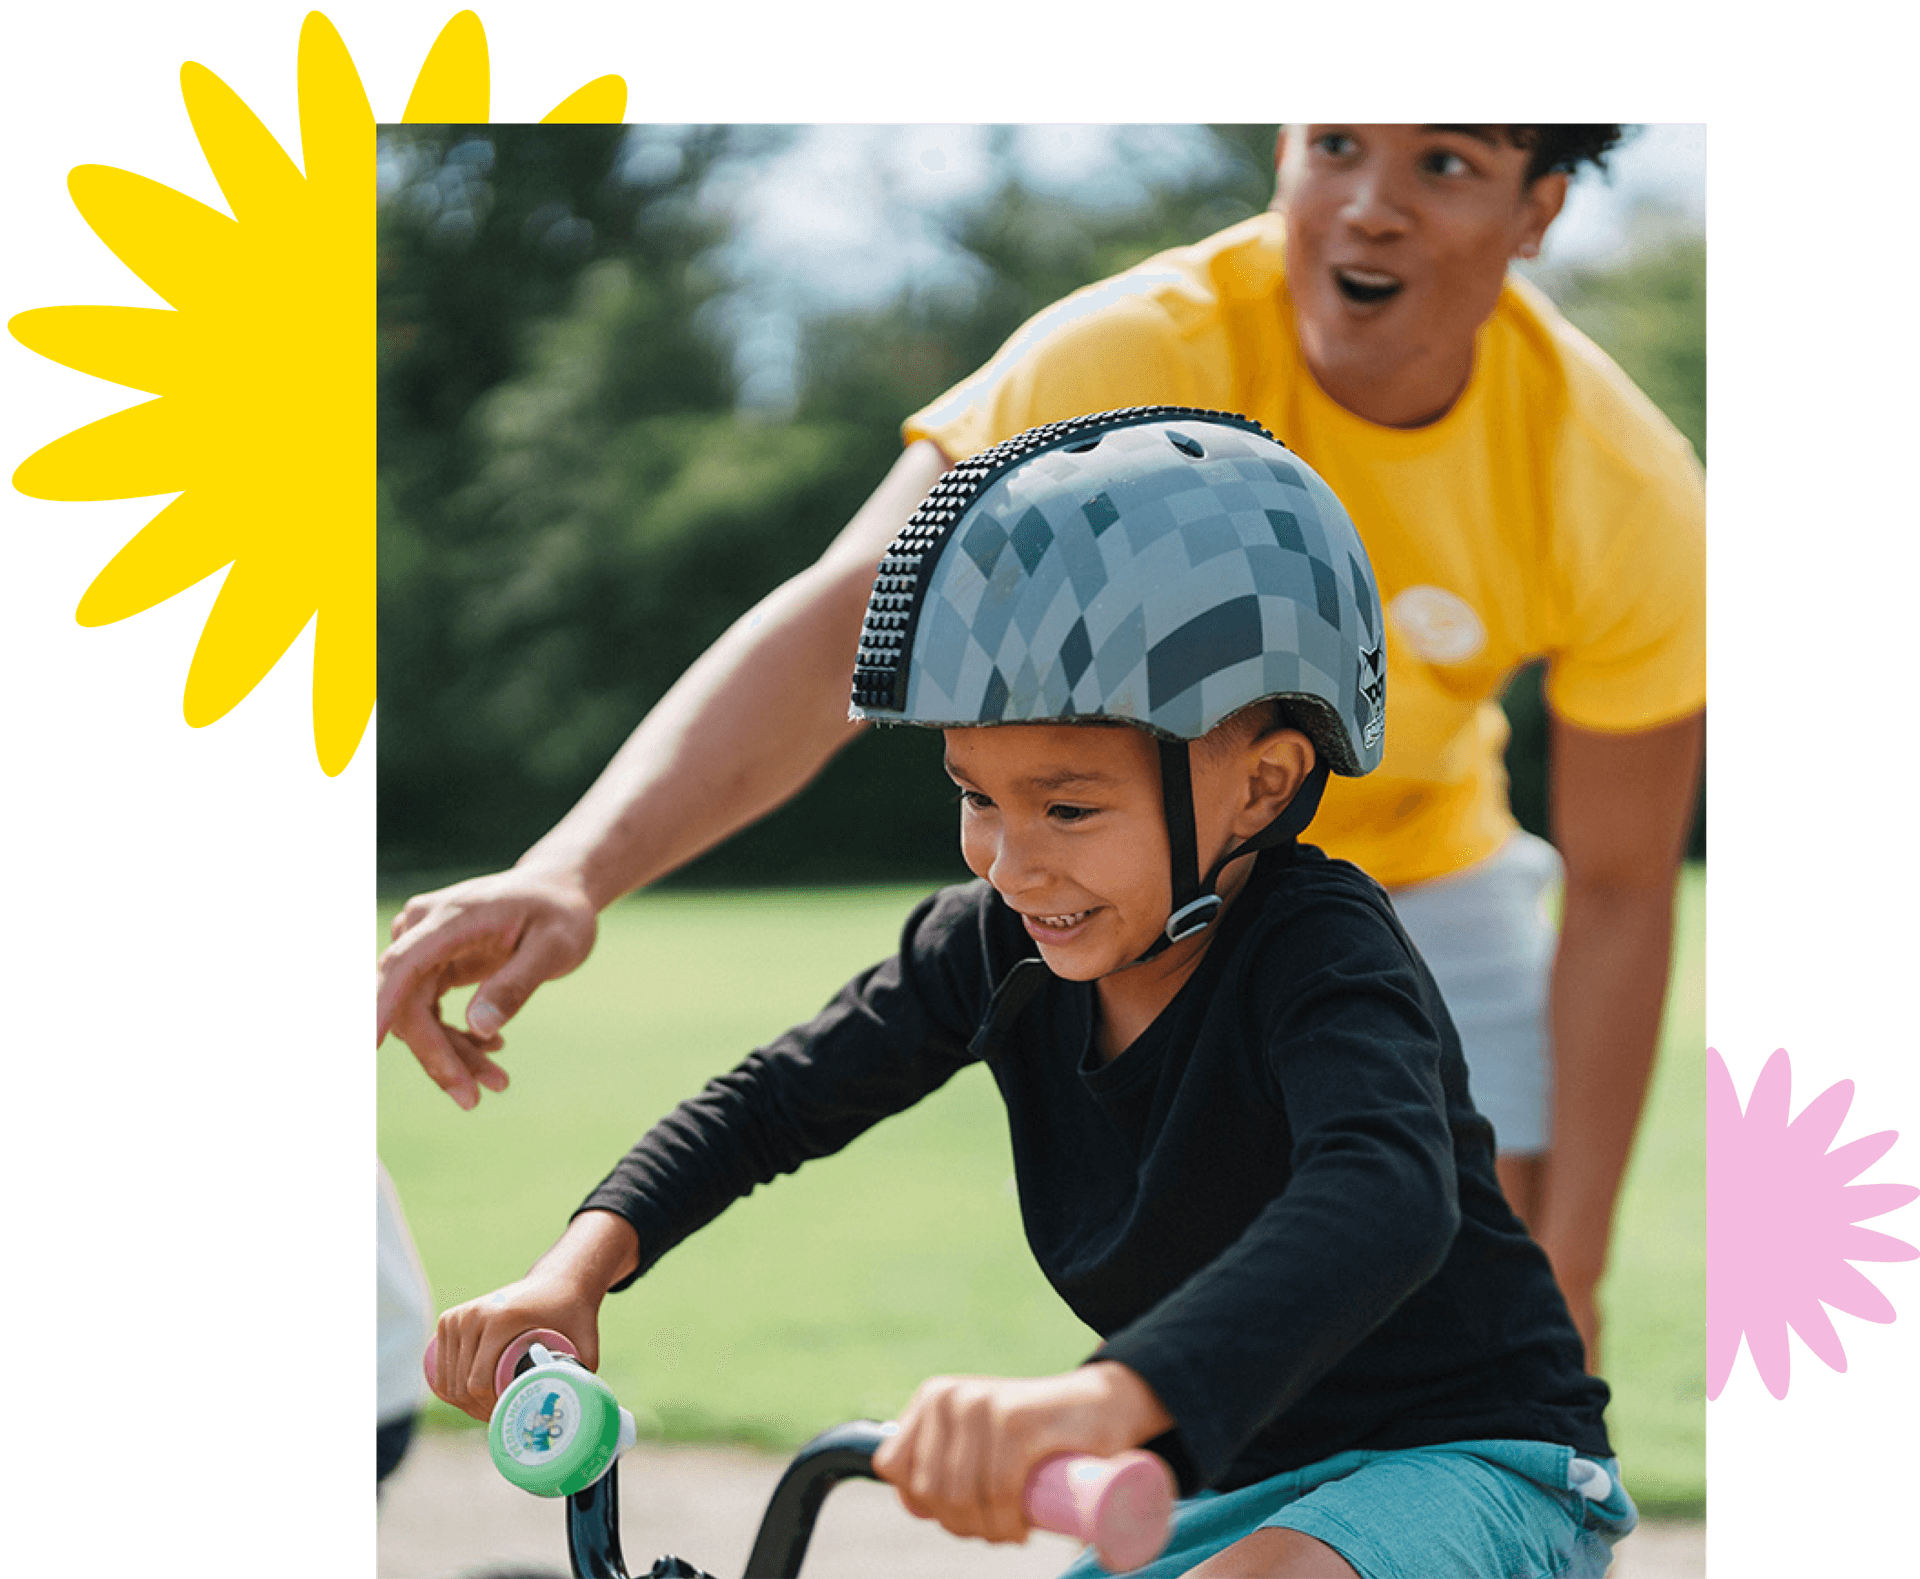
(1066, 822)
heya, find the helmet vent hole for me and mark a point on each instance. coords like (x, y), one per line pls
(1185, 445)
(1083, 445)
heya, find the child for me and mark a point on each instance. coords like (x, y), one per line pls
(1240, 1122)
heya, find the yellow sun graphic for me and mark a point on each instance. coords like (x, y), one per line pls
(263, 365)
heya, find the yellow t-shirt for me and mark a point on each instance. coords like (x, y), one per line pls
(1552, 512)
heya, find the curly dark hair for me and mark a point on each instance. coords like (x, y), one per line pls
(1563, 148)
(1557, 147)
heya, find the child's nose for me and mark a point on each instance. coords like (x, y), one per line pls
(1017, 864)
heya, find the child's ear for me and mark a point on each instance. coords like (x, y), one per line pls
(1278, 764)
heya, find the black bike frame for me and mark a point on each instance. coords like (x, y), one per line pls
(844, 1453)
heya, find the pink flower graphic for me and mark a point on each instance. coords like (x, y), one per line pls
(1781, 1223)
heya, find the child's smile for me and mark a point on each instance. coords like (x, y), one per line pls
(1067, 823)
(1056, 928)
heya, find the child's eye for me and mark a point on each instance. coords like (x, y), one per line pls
(1335, 145)
(974, 800)
(1444, 161)
(1070, 813)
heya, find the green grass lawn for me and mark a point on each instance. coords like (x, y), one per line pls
(835, 1292)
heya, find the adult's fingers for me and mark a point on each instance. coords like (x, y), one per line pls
(407, 917)
(427, 959)
(416, 971)
(425, 938)
(550, 948)
(455, 1060)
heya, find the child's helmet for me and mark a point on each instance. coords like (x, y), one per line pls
(1159, 565)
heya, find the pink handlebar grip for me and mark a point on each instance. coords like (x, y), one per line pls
(1119, 1506)
(510, 1356)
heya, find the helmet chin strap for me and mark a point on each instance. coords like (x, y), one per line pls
(1195, 904)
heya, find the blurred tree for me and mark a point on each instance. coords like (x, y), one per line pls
(1650, 314)
(875, 366)
(487, 237)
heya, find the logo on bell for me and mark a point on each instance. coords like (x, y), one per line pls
(1438, 625)
(538, 1423)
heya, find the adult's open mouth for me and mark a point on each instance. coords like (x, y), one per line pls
(1366, 286)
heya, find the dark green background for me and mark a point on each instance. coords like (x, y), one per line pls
(187, 924)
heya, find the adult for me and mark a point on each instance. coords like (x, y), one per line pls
(1519, 498)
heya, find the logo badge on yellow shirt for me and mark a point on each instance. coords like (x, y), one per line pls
(1438, 625)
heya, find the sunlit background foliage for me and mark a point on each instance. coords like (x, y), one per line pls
(609, 422)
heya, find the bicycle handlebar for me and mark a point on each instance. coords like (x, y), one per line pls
(1119, 1506)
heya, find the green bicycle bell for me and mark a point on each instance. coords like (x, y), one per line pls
(557, 1427)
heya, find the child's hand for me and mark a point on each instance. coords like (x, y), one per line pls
(966, 1444)
(471, 1337)
(563, 1291)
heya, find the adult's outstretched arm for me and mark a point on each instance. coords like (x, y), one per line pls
(740, 733)
(1622, 807)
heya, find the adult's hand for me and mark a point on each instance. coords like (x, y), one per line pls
(758, 714)
(509, 931)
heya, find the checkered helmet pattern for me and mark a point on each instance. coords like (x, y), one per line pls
(1163, 565)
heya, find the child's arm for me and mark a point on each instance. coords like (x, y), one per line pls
(889, 1037)
(966, 1444)
(563, 1291)
(886, 1040)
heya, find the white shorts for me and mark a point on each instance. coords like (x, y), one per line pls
(1488, 937)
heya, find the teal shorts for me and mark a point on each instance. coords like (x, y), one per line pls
(1462, 1510)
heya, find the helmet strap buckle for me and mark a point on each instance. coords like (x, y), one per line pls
(1193, 918)
(1196, 905)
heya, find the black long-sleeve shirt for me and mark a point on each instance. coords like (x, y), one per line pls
(1277, 1206)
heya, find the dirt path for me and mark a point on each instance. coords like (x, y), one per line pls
(447, 1515)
